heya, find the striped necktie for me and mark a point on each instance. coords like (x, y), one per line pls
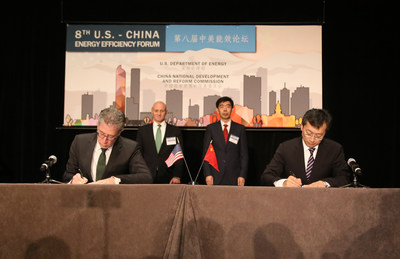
(310, 163)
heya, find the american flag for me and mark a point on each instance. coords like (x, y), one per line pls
(175, 155)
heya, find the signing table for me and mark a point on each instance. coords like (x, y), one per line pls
(184, 221)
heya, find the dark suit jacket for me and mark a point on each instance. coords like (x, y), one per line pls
(125, 162)
(232, 158)
(156, 162)
(329, 165)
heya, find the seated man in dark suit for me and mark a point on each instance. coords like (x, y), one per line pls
(310, 160)
(156, 150)
(230, 144)
(105, 157)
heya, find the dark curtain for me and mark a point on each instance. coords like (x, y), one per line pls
(32, 88)
(360, 80)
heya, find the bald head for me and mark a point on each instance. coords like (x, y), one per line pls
(159, 110)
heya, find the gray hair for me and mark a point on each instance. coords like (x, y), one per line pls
(112, 116)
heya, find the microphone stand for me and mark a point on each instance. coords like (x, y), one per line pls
(49, 180)
(355, 183)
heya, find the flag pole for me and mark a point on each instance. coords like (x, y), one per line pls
(202, 162)
(190, 175)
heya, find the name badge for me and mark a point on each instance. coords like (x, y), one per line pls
(234, 139)
(171, 141)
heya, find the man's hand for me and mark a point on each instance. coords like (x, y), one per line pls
(318, 184)
(110, 180)
(78, 179)
(175, 180)
(210, 180)
(241, 181)
(292, 181)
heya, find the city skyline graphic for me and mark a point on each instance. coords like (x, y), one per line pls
(271, 87)
(284, 113)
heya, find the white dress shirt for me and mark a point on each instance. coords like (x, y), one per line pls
(228, 123)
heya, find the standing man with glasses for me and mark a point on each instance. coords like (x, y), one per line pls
(310, 160)
(105, 157)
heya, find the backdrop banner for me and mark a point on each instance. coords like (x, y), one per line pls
(273, 73)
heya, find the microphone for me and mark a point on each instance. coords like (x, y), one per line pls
(48, 163)
(354, 166)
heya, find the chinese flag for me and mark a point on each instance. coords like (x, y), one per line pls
(211, 158)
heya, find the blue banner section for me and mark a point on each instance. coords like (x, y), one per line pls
(180, 38)
(116, 38)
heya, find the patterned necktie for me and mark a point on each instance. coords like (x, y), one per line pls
(158, 138)
(310, 163)
(226, 132)
(101, 164)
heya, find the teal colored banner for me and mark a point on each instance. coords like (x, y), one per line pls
(241, 38)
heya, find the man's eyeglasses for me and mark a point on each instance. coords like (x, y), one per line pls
(222, 106)
(316, 136)
(102, 135)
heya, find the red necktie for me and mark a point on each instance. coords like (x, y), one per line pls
(226, 132)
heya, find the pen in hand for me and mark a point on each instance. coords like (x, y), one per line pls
(294, 175)
(76, 179)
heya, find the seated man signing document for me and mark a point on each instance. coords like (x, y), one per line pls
(310, 160)
(105, 157)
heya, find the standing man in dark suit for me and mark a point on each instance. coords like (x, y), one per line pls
(155, 155)
(310, 160)
(105, 157)
(230, 144)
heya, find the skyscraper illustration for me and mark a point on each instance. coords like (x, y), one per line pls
(132, 103)
(285, 100)
(132, 109)
(272, 102)
(300, 101)
(252, 93)
(263, 73)
(209, 104)
(150, 97)
(135, 84)
(87, 106)
(193, 110)
(232, 93)
(120, 89)
(174, 102)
